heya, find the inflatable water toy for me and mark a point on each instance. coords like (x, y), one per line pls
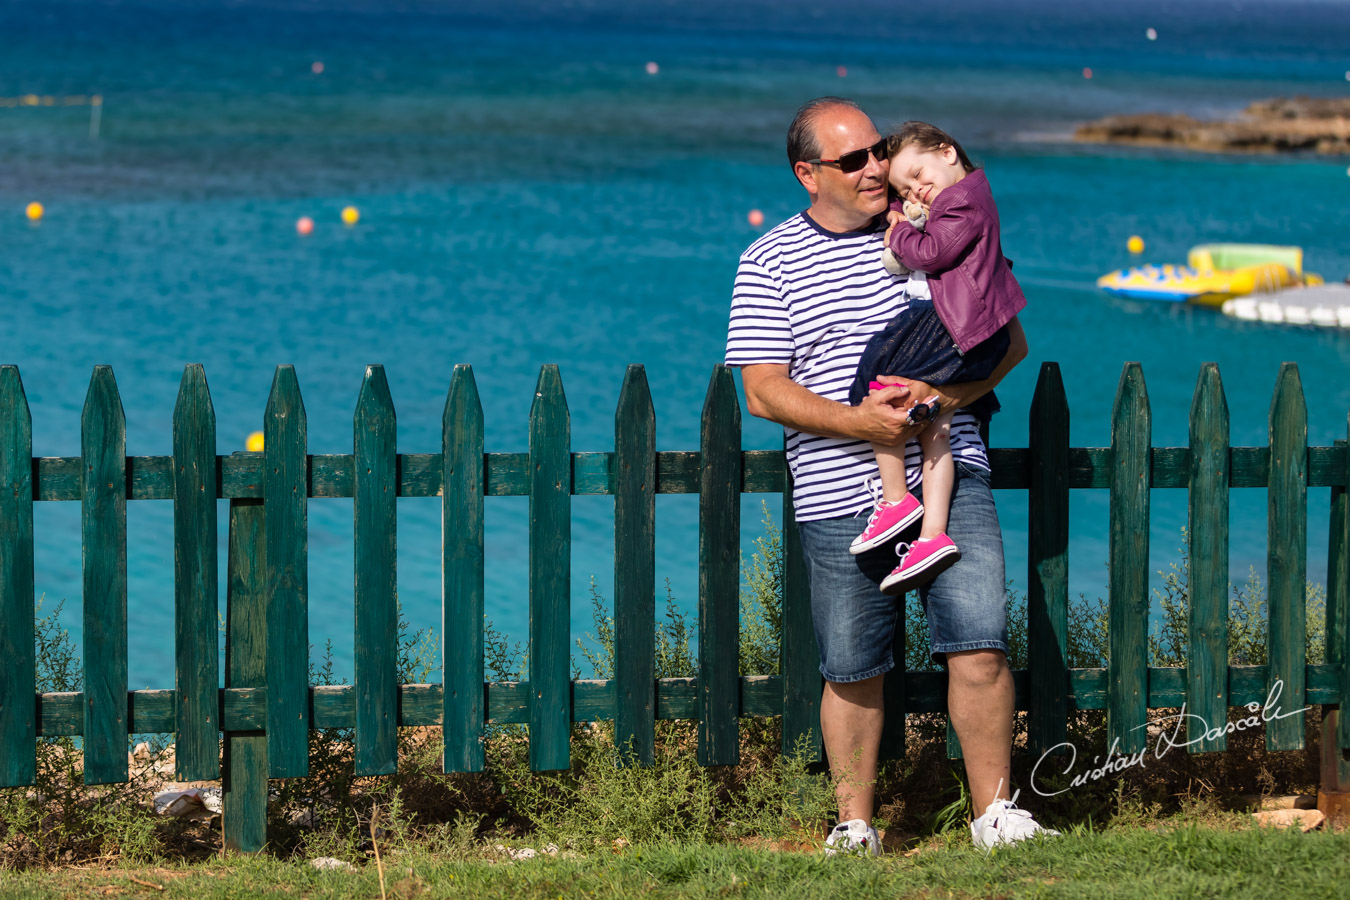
(1327, 305)
(1213, 273)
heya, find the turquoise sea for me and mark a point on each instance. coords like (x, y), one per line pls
(531, 194)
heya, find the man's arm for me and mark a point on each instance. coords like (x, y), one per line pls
(771, 394)
(955, 396)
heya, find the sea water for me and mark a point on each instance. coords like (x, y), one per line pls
(531, 193)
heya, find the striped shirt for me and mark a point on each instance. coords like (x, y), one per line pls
(811, 299)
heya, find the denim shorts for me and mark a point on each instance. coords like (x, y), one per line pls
(965, 605)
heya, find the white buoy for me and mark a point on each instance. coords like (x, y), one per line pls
(1151, 34)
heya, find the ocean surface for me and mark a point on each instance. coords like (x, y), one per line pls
(531, 193)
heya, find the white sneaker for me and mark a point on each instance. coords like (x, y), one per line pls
(1004, 824)
(853, 838)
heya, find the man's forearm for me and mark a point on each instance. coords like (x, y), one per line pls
(771, 394)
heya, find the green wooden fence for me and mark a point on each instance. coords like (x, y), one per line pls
(267, 707)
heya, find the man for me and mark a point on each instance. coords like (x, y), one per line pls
(807, 297)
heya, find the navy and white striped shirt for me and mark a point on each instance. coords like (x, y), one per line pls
(811, 299)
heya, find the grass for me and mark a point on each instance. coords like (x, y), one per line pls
(1174, 858)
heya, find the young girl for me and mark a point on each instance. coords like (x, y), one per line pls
(961, 335)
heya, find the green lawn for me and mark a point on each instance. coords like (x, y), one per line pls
(1166, 861)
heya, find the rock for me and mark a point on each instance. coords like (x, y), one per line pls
(1320, 125)
(1303, 819)
(141, 752)
(328, 862)
(1259, 802)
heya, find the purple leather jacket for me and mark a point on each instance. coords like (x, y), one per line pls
(973, 288)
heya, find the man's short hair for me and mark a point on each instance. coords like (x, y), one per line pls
(802, 142)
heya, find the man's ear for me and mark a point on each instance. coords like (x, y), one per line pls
(806, 174)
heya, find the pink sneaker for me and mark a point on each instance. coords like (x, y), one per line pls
(923, 561)
(886, 523)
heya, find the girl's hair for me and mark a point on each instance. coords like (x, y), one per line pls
(925, 137)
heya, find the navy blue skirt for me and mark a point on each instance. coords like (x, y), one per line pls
(915, 344)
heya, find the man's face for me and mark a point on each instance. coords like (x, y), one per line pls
(845, 201)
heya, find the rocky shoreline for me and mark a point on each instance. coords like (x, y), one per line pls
(1292, 124)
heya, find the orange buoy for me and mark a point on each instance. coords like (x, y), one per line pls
(755, 218)
(316, 67)
(1087, 73)
(652, 68)
(841, 71)
(304, 226)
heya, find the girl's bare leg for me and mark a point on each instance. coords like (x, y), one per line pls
(939, 475)
(891, 465)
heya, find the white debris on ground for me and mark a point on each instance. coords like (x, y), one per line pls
(327, 862)
(190, 803)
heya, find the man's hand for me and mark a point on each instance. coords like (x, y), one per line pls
(886, 414)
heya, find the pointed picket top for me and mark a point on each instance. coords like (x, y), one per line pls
(13, 400)
(1287, 556)
(548, 394)
(635, 396)
(1131, 397)
(374, 405)
(462, 405)
(284, 400)
(103, 398)
(1288, 409)
(194, 396)
(1049, 398)
(18, 719)
(721, 400)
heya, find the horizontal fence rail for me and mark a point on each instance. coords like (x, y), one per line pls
(267, 707)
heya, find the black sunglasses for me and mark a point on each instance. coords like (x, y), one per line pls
(854, 160)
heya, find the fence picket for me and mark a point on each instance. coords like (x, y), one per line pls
(18, 687)
(1048, 562)
(1287, 557)
(635, 569)
(799, 658)
(719, 544)
(285, 488)
(1338, 589)
(1207, 531)
(1131, 435)
(103, 515)
(375, 531)
(245, 771)
(196, 592)
(465, 709)
(550, 574)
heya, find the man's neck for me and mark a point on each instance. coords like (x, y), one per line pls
(838, 225)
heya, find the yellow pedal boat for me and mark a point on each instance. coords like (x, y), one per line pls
(1213, 273)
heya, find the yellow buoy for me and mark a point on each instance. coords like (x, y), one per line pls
(34, 211)
(1135, 244)
(254, 444)
(350, 215)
